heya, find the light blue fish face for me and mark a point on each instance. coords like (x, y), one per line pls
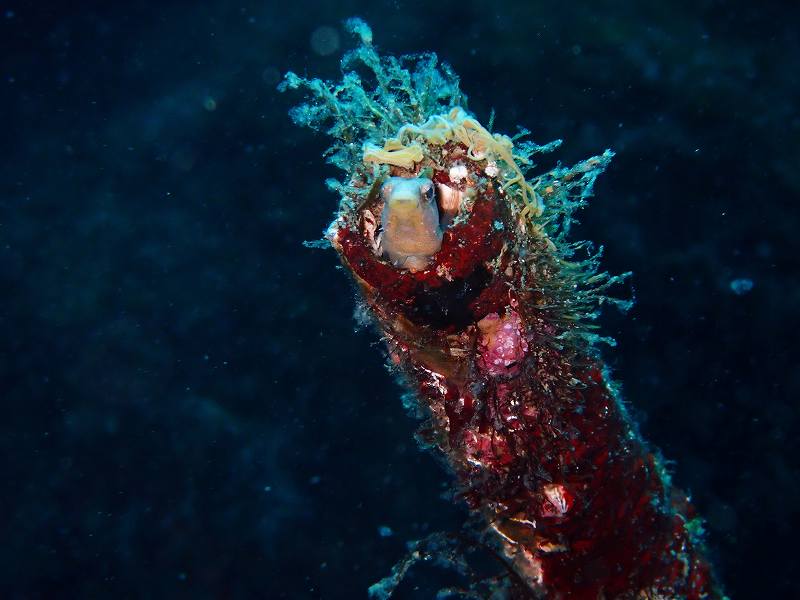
(412, 233)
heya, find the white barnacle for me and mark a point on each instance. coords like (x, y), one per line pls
(557, 497)
(450, 200)
(370, 226)
(458, 172)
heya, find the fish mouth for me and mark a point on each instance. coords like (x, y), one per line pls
(402, 202)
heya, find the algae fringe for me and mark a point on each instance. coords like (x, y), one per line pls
(389, 110)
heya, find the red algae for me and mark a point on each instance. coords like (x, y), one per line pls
(493, 339)
(544, 451)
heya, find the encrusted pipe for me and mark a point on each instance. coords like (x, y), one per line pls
(463, 261)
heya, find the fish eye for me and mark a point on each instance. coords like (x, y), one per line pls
(430, 193)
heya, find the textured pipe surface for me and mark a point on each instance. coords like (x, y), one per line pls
(484, 303)
(540, 445)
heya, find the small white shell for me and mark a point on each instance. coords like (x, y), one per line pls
(449, 199)
(458, 172)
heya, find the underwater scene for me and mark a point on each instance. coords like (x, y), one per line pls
(400, 299)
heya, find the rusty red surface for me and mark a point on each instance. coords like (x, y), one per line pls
(541, 448)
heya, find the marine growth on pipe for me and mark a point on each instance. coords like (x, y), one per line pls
(461, 254)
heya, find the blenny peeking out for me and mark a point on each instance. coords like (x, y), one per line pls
(412, 233)
(485, 305)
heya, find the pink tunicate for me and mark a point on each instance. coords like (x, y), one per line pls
(502, 343)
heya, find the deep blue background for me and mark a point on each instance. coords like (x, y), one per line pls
(188, 410)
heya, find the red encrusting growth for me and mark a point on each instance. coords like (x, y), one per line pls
(540, 445)
(491, 332)
(457, 257)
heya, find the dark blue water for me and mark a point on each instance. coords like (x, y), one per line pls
(188, 410)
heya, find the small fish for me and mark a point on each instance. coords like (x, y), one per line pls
(412, 233)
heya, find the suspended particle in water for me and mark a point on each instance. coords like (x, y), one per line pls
(741, 286)
(385, 531)
(325, 40)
